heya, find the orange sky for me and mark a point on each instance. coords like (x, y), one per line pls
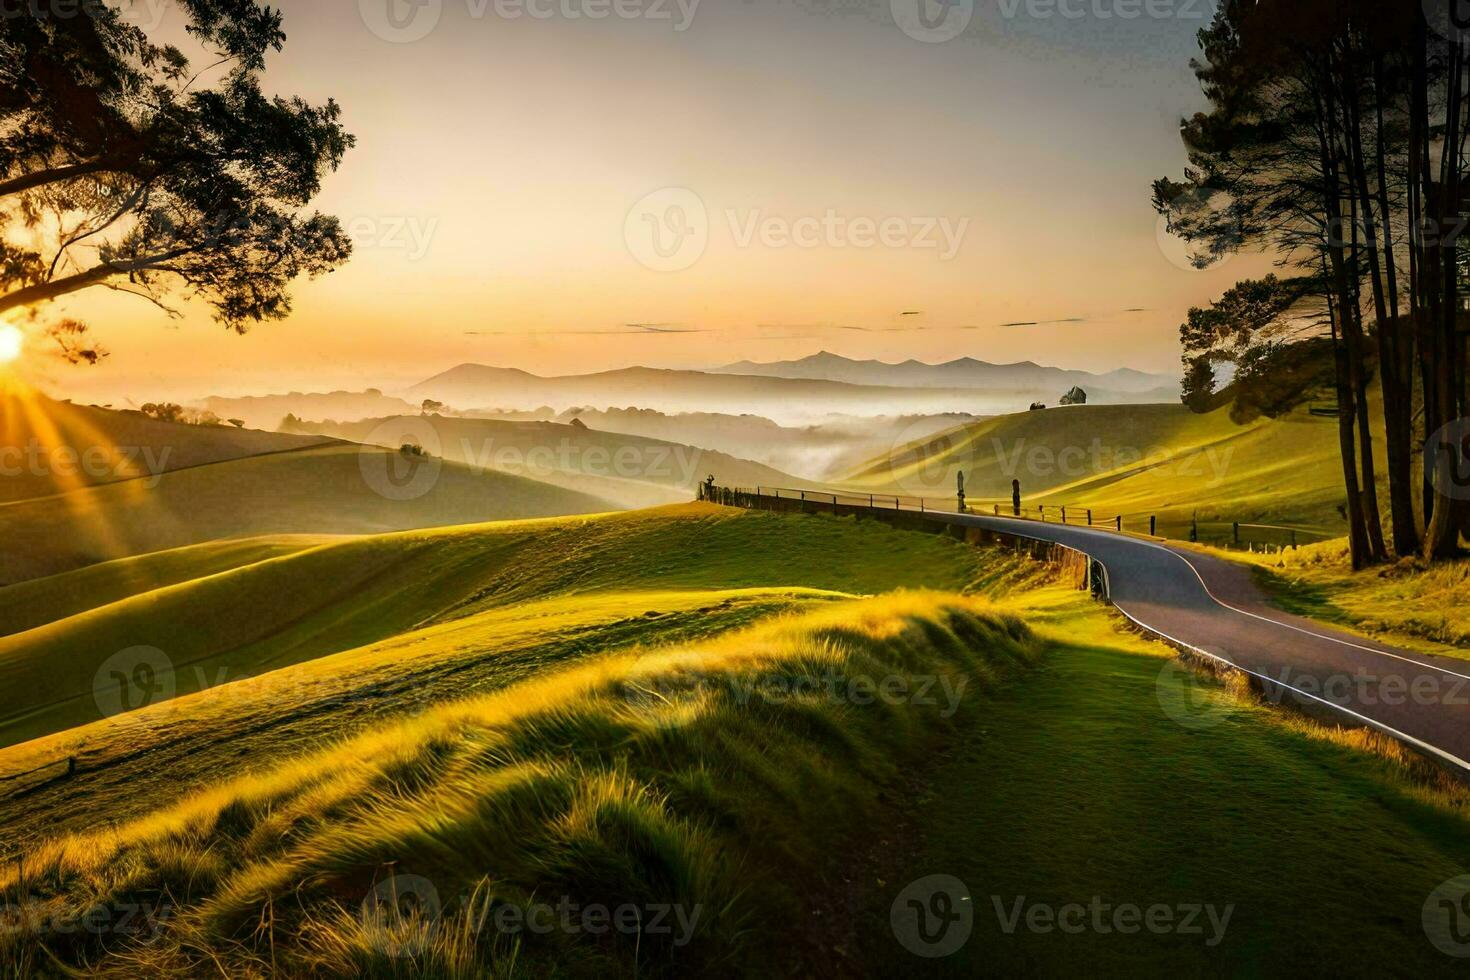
(499, 160)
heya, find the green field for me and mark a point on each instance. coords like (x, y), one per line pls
(664, 709)
(1133, 460)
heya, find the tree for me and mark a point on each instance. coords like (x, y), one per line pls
(1197, 389)
(430, 406)
(1279, 162)
(119, 169)
(1075, 397)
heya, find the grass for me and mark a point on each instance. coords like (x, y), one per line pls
(705, 778)
(344, 594)
(430, 734)
(1411, 603)
(1080, 781)
(1134, 460)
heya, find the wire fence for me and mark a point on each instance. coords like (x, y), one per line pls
(1166, 525)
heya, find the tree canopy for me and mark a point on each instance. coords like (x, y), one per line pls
(124, 166)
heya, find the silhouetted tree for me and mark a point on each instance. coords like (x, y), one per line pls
(148, 180)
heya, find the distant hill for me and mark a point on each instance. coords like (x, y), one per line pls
(788, 401)
(64, 447)
(267, 411)
(818, 452)
(966, 372)
(630, 470)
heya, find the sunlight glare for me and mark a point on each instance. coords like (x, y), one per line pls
(11, 342)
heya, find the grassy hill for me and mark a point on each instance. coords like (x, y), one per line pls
(333, 489)
(53, 447)
(1135, 460)
(674, 713)
(234, 610)
(632, 470)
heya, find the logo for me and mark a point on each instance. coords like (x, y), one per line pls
(933, 916)
(411, 470)
(1450, 19)
(401, 21)
(1191, 698)
(131, 679)
(1449, 449)
(401, 914)
(1446, 917)
(668, 230)
(932, 21)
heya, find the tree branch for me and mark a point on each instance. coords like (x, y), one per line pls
(44, 291)
(52, 175)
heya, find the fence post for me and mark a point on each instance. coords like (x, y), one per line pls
(1064, 513)
(1194, 528)
(1089, 517)
(997, 510)
(834, 503)
(921, 505)
(1237, 533)
(1120, 522)
(1041, 509)
(1153, 525)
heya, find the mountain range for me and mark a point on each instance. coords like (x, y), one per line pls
(964, 372)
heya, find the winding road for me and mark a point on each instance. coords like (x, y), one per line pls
(1213, 608)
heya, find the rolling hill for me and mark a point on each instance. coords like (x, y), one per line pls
(267, 411)
(1134, 460)
(332, 489)
(630, 470)
(965, 372)
(52, 446)
(658, 710)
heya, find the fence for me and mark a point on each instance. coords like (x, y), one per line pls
(1172, 526)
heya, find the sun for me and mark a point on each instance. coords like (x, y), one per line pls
(11, 342)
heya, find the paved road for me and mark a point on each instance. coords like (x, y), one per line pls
(1213, 607)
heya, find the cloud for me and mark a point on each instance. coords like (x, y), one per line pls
(1038, 323)
(627, 328)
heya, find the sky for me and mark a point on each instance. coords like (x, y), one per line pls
(685, 184)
